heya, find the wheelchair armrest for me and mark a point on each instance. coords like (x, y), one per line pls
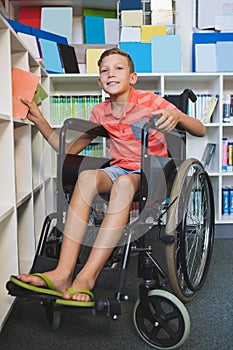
(176, 139)
(84, 126)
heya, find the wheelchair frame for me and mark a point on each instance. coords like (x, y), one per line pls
(187, 202)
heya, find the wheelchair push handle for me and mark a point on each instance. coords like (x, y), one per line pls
(189, 94)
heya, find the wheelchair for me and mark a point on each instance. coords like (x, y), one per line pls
(176, 197)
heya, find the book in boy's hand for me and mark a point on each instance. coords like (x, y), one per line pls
(24, 85)
(40, 94)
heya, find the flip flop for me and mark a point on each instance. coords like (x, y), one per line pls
(51, 290)
(77, 303)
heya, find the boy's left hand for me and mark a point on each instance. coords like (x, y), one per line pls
(168, 119)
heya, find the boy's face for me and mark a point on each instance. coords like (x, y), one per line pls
(115, 77)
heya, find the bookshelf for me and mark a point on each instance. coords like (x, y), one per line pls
(27, 182)
(26, 187)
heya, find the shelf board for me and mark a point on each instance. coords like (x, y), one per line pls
(77, 5)
(37, 187)
(22, 197)
(5, 211)
(4, 118)
(227, 219)
(21, 122)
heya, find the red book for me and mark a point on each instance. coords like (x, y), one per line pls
(24, 85)
(30, 16)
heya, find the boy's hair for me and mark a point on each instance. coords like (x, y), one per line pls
(116, 51)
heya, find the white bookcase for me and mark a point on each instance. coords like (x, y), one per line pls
(25, 185)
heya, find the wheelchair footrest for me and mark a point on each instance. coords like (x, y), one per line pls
(20, 292)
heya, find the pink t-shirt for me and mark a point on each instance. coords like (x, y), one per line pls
(125, 132)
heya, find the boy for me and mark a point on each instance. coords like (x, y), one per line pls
(121, 115)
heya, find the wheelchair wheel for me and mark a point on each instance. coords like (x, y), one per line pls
(190, 220)
(53, 316)
(166, 325)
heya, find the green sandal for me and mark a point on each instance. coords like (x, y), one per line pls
(50, 290)
(77, 303)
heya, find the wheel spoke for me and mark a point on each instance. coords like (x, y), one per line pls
(191, 218)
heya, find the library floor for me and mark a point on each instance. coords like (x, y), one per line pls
(211, 315)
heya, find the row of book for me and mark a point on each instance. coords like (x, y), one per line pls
(212, 51)
(99, 209)
(227, 200)
(204, 107)
(214, 57)
(63, 107)
(93, 150)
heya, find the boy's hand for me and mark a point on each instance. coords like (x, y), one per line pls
(167, 119)
(34, 113)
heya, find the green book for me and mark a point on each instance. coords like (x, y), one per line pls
(40, 94)
(99, 13)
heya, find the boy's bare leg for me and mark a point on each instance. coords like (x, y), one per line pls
(77, 218)
(121, 198)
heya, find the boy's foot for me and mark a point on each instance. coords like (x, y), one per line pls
(50, 280)
(77, 303)
(80, 290)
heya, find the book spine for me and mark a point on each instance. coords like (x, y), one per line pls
(226, 108)
(231, 201)
(231, 107)
(224, 153)
(225, 201)
(230, 156)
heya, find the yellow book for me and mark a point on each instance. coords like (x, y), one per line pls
(92, 57)
(131, 18)
(148, 31)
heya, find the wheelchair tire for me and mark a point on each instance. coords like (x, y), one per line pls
(190, 220)
(166, 325)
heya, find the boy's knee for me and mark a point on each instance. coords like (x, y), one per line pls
(123, 185)
(87, 178)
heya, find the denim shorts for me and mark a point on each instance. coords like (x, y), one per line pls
(115, 171)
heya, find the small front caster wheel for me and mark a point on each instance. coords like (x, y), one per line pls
(53, 313)
(164, 323)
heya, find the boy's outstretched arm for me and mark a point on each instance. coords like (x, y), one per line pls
(37, 118)
(169, 119)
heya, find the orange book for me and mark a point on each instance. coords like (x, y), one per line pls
(24, 85)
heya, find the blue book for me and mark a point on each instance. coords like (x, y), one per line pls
(50, 54)
(43, 34)
(224, 56)
(166, 53)
(140, 54)
(94, 30)
(19, 27)
(58, 20)
(130, 5)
